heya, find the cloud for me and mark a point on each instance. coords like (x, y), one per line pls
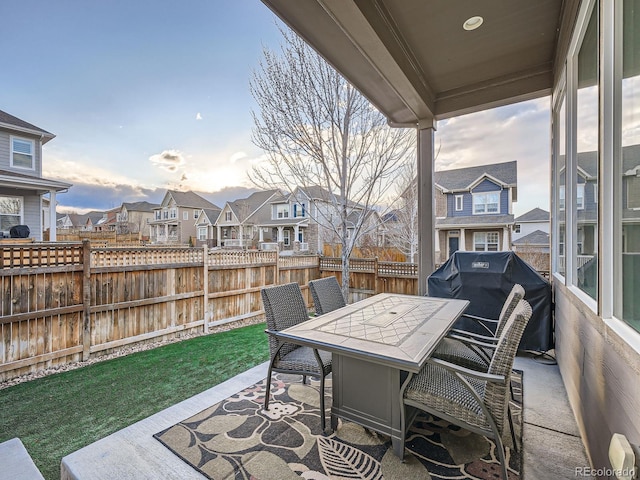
(169, 160)
(237, 156)
(198, 116)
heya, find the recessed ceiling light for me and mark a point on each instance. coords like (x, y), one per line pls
(472, 23)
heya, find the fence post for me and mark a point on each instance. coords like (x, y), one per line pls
(205, 285)
(86, 299)
(375, 276)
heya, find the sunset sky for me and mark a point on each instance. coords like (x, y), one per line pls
(148, 95)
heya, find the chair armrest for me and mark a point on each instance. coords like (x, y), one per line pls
(467, 372)
(482, 321)
(474, 341)
(455, 333)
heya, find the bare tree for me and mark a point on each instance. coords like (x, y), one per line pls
(402, 221)
(317, 130)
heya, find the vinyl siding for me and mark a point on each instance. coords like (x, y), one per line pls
(467, 206)
(31, 210)
(5, 153)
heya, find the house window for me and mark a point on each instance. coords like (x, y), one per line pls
(185, 215)
(22, 153)
(196, 214)
(485, 241)
(627, 224)
(202, 233)
(158, 215)
(225, 233)
(227, 216)
(516, 228)
(633, 192)
(561, 194)
(299, 210)
(580, 196)
(585, 229)
(301, 236)
(282, 211)
(287, 240)
(10, 213)
(488, 202)
(173, 213)
(459, 203)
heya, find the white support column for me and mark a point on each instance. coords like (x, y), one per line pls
(426, 217)
(505, 239)
(280, 234)
(260, 235)
(53, 224)
(436, 244)
(462, 244)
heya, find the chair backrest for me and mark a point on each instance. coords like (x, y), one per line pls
(327, 295)
(497, 396)
(284, 307)
(517, 293)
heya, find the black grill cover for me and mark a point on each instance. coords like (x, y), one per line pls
(485, 279)
(19, 231)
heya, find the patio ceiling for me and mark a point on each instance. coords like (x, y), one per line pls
(414, 60)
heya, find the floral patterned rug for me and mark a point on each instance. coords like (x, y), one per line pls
(237, 439)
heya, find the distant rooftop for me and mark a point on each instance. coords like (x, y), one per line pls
(535, 215)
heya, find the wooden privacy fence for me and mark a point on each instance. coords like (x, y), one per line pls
(62, 303)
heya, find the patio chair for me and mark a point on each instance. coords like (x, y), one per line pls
(327, 295)
(472, 400)
(473, 350)
(284, 307)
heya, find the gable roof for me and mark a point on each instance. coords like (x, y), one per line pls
(211, 214)
(142, 206)
(189, 199)
(461, 179)
(243, 208)
(537, 237)
(535, 215)
(14, 123)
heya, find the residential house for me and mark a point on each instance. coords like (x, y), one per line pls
(306, 219)
(531, 234)
(135, 217)
(474, 208)
(419, 63)
(206, 231)
(174, 219)
(21, 183)
(77, 222)
(238, 224)
(108, 222)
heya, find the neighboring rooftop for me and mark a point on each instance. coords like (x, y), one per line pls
(535, 215)
(460, 179)
(537, 237)
(9, 121)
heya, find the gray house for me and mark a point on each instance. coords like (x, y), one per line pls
(474, 208)
(21, 182)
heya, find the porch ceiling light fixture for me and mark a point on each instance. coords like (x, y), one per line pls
(472, 23)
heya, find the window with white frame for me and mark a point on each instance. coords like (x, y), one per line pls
(580, 196)
(173, 213)
(486, 241)
(282, 211)
(486, 202)
(299, 210)
(22, 153)
(202, 233)
(227, 216)
(459, 199)
(10, 213)
(287, 237)
(196, 213)
(185, 215)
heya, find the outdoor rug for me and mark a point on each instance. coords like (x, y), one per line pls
(237, 439)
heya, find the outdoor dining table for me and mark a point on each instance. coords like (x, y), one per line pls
(374, 343)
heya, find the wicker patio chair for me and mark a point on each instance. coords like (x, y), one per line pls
(284, 307)
(473, 400)
(327, 295)
(473, 350)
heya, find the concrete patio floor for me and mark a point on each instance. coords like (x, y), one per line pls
(552, 444)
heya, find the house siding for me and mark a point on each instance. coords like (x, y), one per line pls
(467, 199)
(5, 153)
(31, 210)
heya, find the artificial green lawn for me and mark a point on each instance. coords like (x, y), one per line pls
(58, 414)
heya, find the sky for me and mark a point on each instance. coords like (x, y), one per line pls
(149, 95)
